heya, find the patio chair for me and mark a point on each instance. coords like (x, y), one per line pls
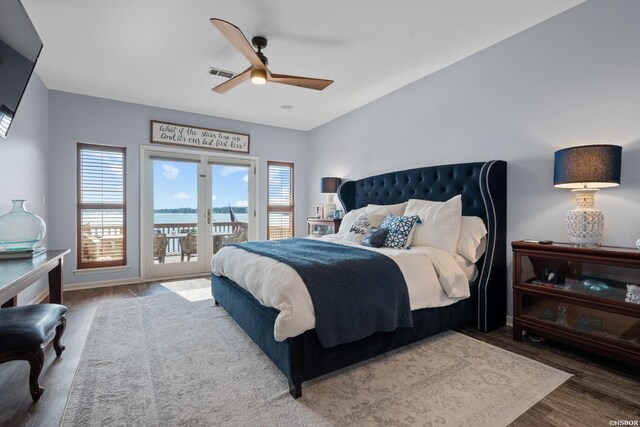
(239, 234)
(160, 242)
(188, 246)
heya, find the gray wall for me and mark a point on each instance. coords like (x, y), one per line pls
(78, 118)
(571, 80)
(24, 165)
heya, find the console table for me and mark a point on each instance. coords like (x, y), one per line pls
(17, 275)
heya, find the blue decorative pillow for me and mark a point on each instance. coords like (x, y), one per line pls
(375, 237)
(400, 230)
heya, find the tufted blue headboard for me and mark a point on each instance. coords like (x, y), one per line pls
(483, 186)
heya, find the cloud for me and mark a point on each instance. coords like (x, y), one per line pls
(181, 196)
(245, 178)
(170, 171)
(213, 197)
(228, 170)
(241, 203)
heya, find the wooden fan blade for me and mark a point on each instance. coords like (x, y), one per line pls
(233, 82)
(238, 40)
(307, 82)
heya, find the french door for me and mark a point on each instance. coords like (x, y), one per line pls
(193, 205)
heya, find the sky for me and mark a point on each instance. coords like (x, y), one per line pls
(175, 185)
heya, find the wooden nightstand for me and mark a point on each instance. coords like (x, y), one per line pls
(321, 227)
(576, 295)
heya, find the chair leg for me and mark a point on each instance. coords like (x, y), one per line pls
(36, 361)
(59, 331)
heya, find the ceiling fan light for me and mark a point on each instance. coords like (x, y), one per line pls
(258, 77)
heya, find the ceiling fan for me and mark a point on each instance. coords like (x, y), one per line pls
(258, 71)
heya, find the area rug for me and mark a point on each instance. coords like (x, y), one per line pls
(168, 360)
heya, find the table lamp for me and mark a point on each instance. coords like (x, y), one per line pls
(585, 169)
(329, 185)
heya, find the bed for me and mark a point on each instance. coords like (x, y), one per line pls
(482, 186)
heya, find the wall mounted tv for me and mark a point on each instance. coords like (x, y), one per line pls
(20, 47)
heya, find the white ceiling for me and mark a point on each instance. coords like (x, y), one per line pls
(157, 52)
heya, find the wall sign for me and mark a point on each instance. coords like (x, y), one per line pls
(197, 137)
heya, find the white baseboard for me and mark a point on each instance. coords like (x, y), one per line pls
(101, 284)
(509, 320)
(40, 297)
(121, 282)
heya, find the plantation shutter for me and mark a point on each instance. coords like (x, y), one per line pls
(101, 206)
(280, 203)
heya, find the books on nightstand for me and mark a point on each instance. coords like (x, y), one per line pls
(24, 254)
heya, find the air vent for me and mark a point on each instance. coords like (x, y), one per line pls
(221, 73)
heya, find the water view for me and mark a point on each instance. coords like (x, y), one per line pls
(175, 198)
(175, 191)
(182, 218)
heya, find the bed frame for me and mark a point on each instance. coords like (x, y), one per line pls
(483, 188)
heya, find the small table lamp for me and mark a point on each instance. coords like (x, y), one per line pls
(585, 169)
(329, 185)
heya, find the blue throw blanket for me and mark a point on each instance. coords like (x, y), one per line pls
(355, 292)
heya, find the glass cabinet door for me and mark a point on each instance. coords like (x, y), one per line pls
(610, 283)
(620, 328)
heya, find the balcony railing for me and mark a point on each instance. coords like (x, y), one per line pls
(174, 231)
(222, 231)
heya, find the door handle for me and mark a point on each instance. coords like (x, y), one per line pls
(208, 216)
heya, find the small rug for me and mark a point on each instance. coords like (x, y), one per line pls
(171, 360)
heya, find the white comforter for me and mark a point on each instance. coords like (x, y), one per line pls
(433, 277)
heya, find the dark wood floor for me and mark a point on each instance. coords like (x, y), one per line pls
(600, 390)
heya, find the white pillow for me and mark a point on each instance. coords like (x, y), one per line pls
(362, 225)
(349, 219)
(395, 210)
(440, 226)
(473, 238)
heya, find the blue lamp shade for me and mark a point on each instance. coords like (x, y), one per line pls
(330, 184)
(587, 166)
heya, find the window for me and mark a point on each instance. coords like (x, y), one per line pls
(101, 206)
(280, 200)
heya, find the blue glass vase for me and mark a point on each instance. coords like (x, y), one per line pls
(20, 229)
